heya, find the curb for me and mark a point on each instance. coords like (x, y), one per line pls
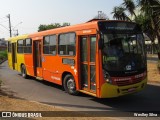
(154, 82)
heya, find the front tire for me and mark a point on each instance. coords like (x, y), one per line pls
(24, 72)
(70, 85)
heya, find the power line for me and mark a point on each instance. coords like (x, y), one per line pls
(4, 26)
(3, 21)
(2, 17)
(17, 25)
(11, 28)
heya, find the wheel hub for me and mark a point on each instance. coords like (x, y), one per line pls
(70, 84)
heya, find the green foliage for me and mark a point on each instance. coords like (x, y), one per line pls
(151, 10)
(3, 55)
(148, 17)
(52, 26)
(130, 6)
(119, 13)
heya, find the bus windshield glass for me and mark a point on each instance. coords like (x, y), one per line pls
(123, 48)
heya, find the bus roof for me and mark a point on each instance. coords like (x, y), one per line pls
(14, 39)
(91, 24)
(83, 26)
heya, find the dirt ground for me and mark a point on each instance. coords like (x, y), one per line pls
(153, 74)
(9, 103)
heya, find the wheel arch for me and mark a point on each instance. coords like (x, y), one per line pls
(21, 66)
(64, 74)
(72, 91)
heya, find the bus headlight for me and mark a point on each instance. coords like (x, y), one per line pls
(108, 80)
(107, 77)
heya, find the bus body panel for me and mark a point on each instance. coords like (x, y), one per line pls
(109, 91)
(20, 61)
(53, 68)
(28, 61)
(10, 61)
(11, 55)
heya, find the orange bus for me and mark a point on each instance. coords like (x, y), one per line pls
(102, 58)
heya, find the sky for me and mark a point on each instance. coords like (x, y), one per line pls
(27, 15)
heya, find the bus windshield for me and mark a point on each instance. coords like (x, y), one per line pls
(123, 52)
(123, 49)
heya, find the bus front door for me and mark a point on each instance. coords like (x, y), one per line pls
(87, 63)
(37, 58)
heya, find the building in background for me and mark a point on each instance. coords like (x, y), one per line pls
(3, 44)
(151, 46)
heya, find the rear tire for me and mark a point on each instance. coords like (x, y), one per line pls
(70, 85)
(24, 72)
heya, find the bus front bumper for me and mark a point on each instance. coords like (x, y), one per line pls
(109, 91)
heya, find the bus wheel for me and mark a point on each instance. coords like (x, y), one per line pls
(69, 85)
(24, 72)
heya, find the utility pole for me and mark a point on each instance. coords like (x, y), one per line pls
(10, 30)
(17, 32)
(16, 29)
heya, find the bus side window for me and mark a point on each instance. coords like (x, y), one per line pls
(9, 47)
(67, 44)
(28, 46)
(20, 46)
(49, 45)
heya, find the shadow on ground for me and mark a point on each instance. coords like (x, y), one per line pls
(146, 100)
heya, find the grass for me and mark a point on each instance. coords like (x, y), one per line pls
(3, 55)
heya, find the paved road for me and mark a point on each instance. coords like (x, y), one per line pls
(48, 93)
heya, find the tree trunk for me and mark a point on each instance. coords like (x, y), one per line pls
(158, 37)
(154, 20)
(158, 55)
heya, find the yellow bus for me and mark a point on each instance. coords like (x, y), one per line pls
(14, 58)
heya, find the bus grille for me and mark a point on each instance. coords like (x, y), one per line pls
(127, 82)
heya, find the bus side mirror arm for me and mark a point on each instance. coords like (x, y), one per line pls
(100, 44)
(101, 40)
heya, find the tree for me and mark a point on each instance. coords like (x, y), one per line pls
(101, 15)
(130, 6)
(65, 24)
(151, 9)
(52, 26)
(119, 13)
(149, 17)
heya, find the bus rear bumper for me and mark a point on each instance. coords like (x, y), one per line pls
(109, 91)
